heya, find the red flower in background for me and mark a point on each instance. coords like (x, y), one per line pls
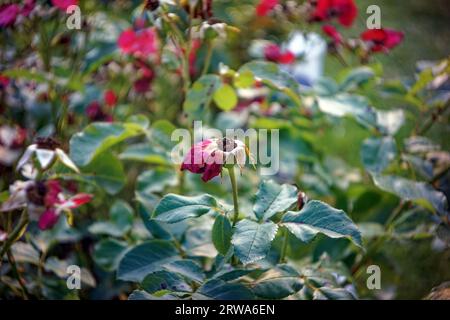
(382, 39)
(273, 53)
(264, 7)
(344, 10)
(110, 98)
(8, 14)
(28, 6)
(146, 75)
(64, 4)
(139, 43)
(95, 112)
(4, 81)
(331, 31)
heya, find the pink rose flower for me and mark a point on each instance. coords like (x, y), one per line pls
(140, 43)
(8, 14)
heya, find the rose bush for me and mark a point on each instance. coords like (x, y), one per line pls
(88, 177)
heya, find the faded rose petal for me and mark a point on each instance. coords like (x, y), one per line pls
(78, 200)
(48, 219)
(52, 195)
(212, 170)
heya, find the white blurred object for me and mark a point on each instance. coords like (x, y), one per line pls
(310, 50)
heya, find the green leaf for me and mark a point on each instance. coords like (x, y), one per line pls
(145, 258)
(316, 217)
(108, 253)
(200, 94)
(412, 190)
(221, 234)
(349, 105)
(273, 198)
(144, 152)
(278, 283)
(107, 172)
(164, 280)
(252, 240)
(121, 221)
(270, 73)
(221, 290)
(99, 137)
(225, 97)
(244, 79)
(174, 208)
(187, 268)
(356, 77)
(377, 153)
(156, 180)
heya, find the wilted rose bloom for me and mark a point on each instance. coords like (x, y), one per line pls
(45, 150)
(64, 4)
(344, 10)
(140, 43)
(264, 7)
(45, 201)
(110, 98)
(331, 31)
(382, 39)
(8, 14)
(273, 53)
(209, 156)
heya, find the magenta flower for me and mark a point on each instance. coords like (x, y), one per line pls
(8, 14)
(209, 156)
(64, 4)
(140, 43)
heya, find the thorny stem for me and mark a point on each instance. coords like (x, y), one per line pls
(235, 195)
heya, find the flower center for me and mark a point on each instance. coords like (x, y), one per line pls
(227, 145)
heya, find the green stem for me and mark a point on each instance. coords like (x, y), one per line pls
(285, 245)
(235, 194)
(207, 58)
(12, 237)
(14, 269)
